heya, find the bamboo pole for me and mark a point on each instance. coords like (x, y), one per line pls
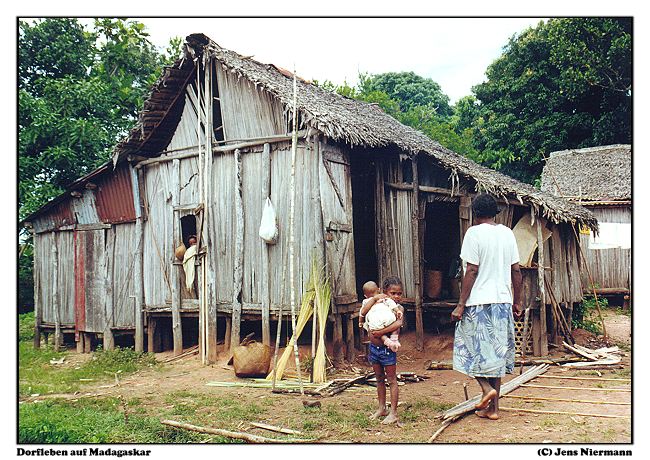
(266, 276)
(233, 434)
(535, 411)
(583, 378)
(586, 401)
(552, 387)
(292, 210)
(543, 346)
(276, 429)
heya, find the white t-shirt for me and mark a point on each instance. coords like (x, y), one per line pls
(494, 249)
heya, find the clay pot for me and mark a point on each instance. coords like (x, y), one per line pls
(432, 283)
(180, 252)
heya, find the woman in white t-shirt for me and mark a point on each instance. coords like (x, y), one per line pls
(484, 341)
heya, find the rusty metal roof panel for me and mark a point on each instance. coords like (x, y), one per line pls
(114, 196)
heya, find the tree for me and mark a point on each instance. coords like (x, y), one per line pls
(409, 90)
(78, 93)
(563, 84)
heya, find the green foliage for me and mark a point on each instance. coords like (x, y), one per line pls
(563, 84)
(94, 421)
(409, 90)
(585, 315)
(26, 324)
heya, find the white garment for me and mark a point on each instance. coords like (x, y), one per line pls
(494, 249)
(381, 314)
(188, 266)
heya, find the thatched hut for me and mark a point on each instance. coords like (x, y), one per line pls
(600, 179)
(213, 142)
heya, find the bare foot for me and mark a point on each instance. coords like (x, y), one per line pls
(485, 414)
(379, 413)
(392, 418)
(486, 399)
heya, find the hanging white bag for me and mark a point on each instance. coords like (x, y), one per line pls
(269, 224)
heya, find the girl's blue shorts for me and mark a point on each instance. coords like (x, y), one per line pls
(381, 355)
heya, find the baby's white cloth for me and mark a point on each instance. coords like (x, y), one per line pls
(381, 315)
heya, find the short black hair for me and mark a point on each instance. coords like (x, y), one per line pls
(484, 205)
(391, 281)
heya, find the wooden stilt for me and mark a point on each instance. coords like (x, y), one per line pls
(88, 340)
(108, 339)
(81, 342)
(37, 337)
(151, 335)
(351, 352)
(226, 340)
(338, 339)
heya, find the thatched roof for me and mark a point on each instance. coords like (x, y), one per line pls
(591, 174)
(339, 118)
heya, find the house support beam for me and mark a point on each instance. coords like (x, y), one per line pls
(417, 270)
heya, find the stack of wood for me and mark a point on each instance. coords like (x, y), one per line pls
(594, 358)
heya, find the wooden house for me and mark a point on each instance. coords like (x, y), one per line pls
(600, 179)
(213, 141)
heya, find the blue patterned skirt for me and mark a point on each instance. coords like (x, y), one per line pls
(484, 343)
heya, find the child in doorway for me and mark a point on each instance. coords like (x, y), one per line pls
(382, 313)
(382, 358)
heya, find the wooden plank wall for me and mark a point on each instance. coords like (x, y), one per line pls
(247, 111)
(65, 253)
(396, 210)
(95, 281)
(610, 268)
(123, 266)
(44, 265)
(308, 236)
(340, 250)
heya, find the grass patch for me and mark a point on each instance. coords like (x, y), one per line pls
(93, 421)
(26, 323)
(38, 376)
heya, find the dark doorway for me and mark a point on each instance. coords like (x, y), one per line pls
(362, 171)
(441, 250)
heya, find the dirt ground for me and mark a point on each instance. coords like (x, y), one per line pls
(422, 401)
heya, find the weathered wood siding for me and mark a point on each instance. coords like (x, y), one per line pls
(247, 111)
(185, 134)
(222, 227)
(91, 263)
(44, 266)
(561, 254)
(122, 255)
(396, 208)
(610, 268)
(158, 246)
(336, 202)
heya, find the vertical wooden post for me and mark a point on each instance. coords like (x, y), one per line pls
(177, 330)
(238, 269)
(138, 179)
(417, 270)
(81, 346)
(55, 295)
(151, 335)
(226, 340)
(109, 305)
(542, 290)
(37, 297)
(380, 221)
(88, 342)
(266, 288)
(349, 339)
(338, 338)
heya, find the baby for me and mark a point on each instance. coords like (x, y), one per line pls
(382, 314)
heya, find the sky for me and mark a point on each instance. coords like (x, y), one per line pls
(454, 52)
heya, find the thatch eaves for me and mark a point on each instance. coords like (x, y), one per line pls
(601, 173)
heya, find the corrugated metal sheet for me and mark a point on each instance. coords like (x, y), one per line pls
(114, 196)
(59, 215)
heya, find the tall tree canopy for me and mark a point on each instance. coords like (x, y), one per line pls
(563, 84)
(78, 93)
